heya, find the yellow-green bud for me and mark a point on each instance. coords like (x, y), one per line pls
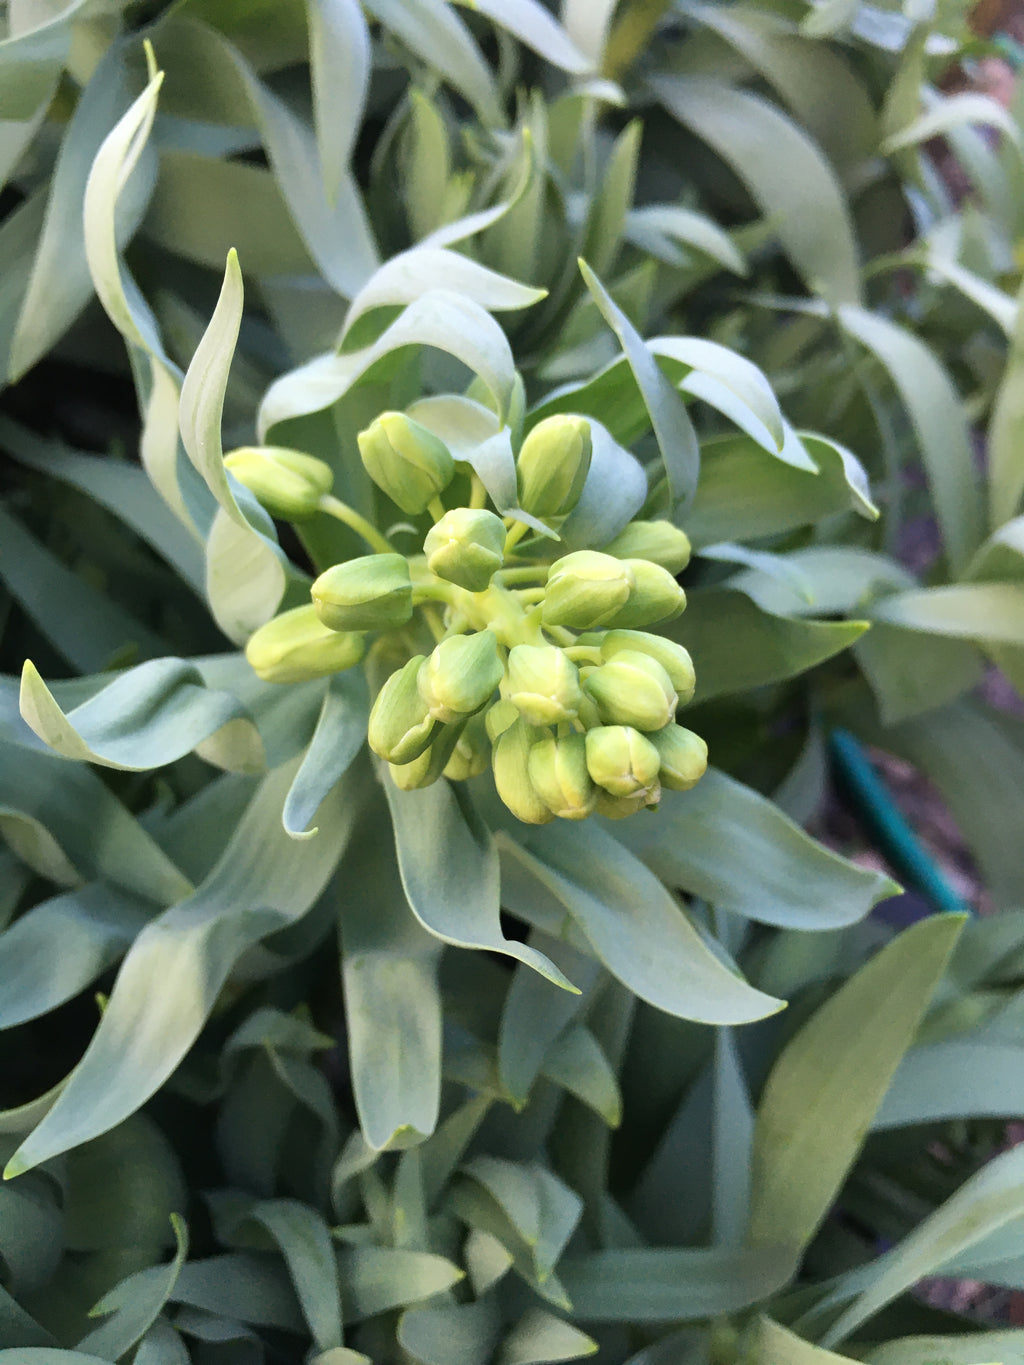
(586, 589)
(296, 646)
(621, 807)
(373, 592)
(460, 675)
(466, 547)
(655, 596)
(428, 767)
(632, 689)
(287, 483)
(406, 461)
(472, 752)
(499, 717)
(674, 659)
(543, 684)
(622, 760)
(553, 464)
(558, 771)
(684, 757)
(400, 726)
(659, 541)
(510, 759)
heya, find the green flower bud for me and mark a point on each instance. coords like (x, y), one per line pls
(622, 760)
(621, 807)
(499, 717)
(553, 464)
(510, 760)
(659, 541)
(543, 684)
(586, 589)
(431, 763)
(557, 769)
(400, 726)
(684, 757)
(286, 482)
(406, 461)
(296, 646)
(460, 675)
(655, 596)
(632, 689)
(373, 592)
(466, 547)
(472, 752)
(674, 659)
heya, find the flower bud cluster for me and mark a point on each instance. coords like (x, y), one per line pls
(536, 666)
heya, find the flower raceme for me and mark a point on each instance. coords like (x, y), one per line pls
(537, 666)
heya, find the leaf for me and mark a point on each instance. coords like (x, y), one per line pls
(539, 1337)
(135, 1303)
(1006, 476)
(740, 390)
(774, 872)
(969, 107)
(449, 868)
(614, 492)
(587, 23)
(376, 1279)
(673, 429)
(170, 980)
(339, 736)
(85, 625)
(340, 62)
(411, 274)
(978, 1077)
(937, 416)
(531, 23)
(657, 227)
(449, 1334)
(576, 1063)
(772, 1342)
(668, 1284)
(736, 645)
(988, 1201)
(910, 673)
(792, 183)
(973, 1348)
(249, 1288)
(305, 1243)
(436, 35)
(540, 1208)
(982, 611)
(634, 925)
(534, 1015)
(824, 1089)
(94, 925)
(144, 718)
(392, 1001)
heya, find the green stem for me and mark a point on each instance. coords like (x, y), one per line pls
(355, 521)
(516, 531)
(527, 573)
(478, 495)
(436, 508)
(433, 619)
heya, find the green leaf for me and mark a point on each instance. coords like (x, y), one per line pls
(990, 1200)
(541, 1208)
(973, 1348)
(392, 1002)
(449, 868)
(787, 175)
(539, 1337)
(969, 107)
(144, 718)
(576, 1062)
(823, 1091)
(249, 1288)
(376, 1279)
(634, 925)
(980, 1077)
(339, 736)
(940, 426)
(656, 228)
(534, 1015)
(732, 384)
(1006, 477)
(614, 492)
(774, 872)
(737, 645)
(436, 35)
(910, 673)
(669, 1284)
(450, 1334)
(673, 429)
(972, 611)
(171, 978)
(135, 1303)
(531, 23)
(305, 1243)
(340, 62)
(772, 1342)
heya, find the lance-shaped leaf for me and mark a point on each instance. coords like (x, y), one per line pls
(339, 60)
(135, 1303)
(431, 30)
(339, 735)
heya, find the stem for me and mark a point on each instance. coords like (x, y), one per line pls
(527, 573)
(517, 530)
(433, 619)
(478, 496)
(529, 596)
(436, 508)
(355, 521)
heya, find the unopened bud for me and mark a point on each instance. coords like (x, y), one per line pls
(429, 766)
(500, 717)
(510, 759)
(472, 752)
(460, 675)
(674, 659)
(296, 646)
(558, 771)
(466, 547)
(684, 757)
(543, 683)
(632, 689)
(622, 760)
(553, 464)
(373, 592)
(659, 541)
(400, 726)
(622, 807)
(287, 483)
(655, 596)
(406, 461)
(586, 589)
